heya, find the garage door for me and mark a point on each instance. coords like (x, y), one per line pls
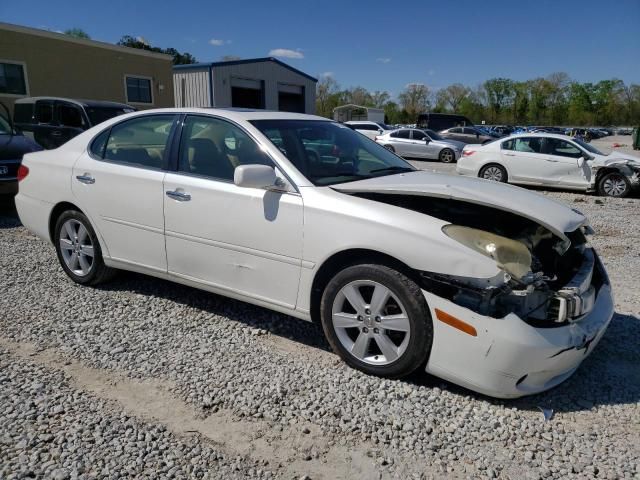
(247, 93)
(291, 98)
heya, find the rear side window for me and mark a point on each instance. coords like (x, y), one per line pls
(401, 134)
(98, 144)
(508, 145)
(139, 142)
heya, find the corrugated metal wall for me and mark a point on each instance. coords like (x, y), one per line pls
(191, 88)
(272, 74)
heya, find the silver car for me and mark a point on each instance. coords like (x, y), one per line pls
(416, 143)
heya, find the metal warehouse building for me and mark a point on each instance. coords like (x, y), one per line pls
(37, 62)
(265, 83)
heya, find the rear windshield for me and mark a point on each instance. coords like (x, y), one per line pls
(100, 114)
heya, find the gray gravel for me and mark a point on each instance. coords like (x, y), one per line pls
(227, 359)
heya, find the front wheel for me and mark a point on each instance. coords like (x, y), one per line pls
(377, 320)
(447, 155)
(494, 172)
(78, 249)
(614, 184)
(390, 148)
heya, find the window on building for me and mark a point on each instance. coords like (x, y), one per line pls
(12, 80)
(139, 90)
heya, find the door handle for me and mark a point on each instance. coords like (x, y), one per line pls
(86, 179)
(180, 196)
(510, 154)
(551, 160)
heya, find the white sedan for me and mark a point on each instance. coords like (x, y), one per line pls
(489, 286)
(551, 160)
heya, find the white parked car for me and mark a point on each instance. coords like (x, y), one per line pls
(551, 160)
(417, 143)
(486, 285)
(367, 128)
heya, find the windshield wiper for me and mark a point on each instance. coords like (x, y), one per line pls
(394, 168)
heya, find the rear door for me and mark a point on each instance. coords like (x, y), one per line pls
(401, 142)
(525, 159)
(118, 184)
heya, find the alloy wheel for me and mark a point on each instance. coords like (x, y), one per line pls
(614, 186)
(493, 173)
(370, 322)
(447, 156)
(76, 247)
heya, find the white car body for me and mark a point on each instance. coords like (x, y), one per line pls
(578, 172)
(267, 247)
(367, 128)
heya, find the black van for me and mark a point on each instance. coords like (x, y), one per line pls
(13, 146)
(52, 121)
(442, 121)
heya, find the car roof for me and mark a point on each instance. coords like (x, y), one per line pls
(540, 135)
(237, 114)
(351, 122)
(84, 103)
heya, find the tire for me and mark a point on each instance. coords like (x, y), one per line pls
(81, 255)
(614, 184)
(494, 172)
(447, 156)
(392, 352)
(390, 148)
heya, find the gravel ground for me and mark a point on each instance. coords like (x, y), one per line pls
(142, 377)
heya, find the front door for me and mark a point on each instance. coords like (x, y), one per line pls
(247, 241)
(562, 164)
(118, 184)
(420, 147)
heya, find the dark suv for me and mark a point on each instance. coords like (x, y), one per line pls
(53, 121)
(13, 146)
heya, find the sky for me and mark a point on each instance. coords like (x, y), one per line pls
(380, 45)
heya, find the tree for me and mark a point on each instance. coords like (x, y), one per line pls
(359, 96)
(414, 99)
(178, 58)
(499, 93)
(380, 98)
(77, 33)
(452, 96)
(326, 101)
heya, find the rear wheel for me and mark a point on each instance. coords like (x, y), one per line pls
(614, 184)
(390, 148)
(78, 249)
(377, 320)
(447, 155)
(494, 172)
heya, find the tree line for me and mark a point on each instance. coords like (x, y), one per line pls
(552, 100)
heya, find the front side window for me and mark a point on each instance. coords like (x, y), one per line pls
(528, 145)
(214, 148)
(12, 79)
(561, 148)
(140, 142)
(455, 130)
(44, 112)
(139, 90)
(470, 131)
(328, 153)
(69, 116)
(419, 135)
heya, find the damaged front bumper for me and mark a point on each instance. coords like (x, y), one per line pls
(508, 357)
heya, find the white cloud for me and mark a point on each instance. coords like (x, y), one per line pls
(216, 42)
(286, 53)
(383, 59)
(432, 72)
(414, 84)
(326, 74)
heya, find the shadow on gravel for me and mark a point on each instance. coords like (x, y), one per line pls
(8, 214)
(252, 316)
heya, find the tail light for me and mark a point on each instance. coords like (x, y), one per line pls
(468, 153)
(23, 171)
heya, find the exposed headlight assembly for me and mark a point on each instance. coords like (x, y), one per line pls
(510, 255)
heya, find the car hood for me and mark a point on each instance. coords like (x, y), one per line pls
(555, 216)
(615, 157)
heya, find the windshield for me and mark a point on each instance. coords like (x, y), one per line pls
(433, 135)
(100, 114)
(328, 153)
(588, 147)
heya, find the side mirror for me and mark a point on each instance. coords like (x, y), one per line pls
(255, 176)
(427, 140)
(380, 131)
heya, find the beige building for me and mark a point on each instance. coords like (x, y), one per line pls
(41, 63)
